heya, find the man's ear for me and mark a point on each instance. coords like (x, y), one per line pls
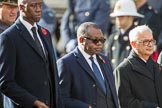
(133, 44)
(81, 39)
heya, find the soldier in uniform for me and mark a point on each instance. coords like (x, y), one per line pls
(156, 4)
(8, 14)
(159, 42)
(118, 46)
(80, 11)
(151, 17)
(49, 21)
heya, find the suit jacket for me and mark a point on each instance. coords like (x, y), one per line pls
(77, 82)
(24, 74)
(139, 83)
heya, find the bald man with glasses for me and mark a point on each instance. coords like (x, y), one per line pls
(86, 78)
(139, 78)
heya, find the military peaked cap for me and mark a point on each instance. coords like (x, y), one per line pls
(9, 2)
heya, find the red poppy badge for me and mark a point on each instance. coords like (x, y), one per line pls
(101, 59)
(44, 31)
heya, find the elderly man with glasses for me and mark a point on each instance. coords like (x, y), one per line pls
(139, 78)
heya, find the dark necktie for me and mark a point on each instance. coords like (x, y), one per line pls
(98, 74)
(37, 42)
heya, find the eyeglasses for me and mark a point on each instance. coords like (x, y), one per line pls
(147, 42)
(95, 41)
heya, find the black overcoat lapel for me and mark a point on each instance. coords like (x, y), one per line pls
(27, 37)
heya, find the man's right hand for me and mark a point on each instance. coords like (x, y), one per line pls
(40, 104)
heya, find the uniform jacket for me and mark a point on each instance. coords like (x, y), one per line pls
(48, 19)
(139, 84)
(151, 19)
(77, 81)
(24, 73)
(85, 11)
(156, 5)
(118, 46)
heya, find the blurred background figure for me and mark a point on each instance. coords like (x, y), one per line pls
(151, 17)
(80, 11)
(156, 4)
(8, 14)
(49, 21)
(117, 47)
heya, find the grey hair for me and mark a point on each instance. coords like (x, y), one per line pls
(83, 29)
(134, 33)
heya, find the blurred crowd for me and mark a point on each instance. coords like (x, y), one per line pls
(99, 11)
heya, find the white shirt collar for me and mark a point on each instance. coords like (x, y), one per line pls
(143, 59)
(27, 25)
(86, 55)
